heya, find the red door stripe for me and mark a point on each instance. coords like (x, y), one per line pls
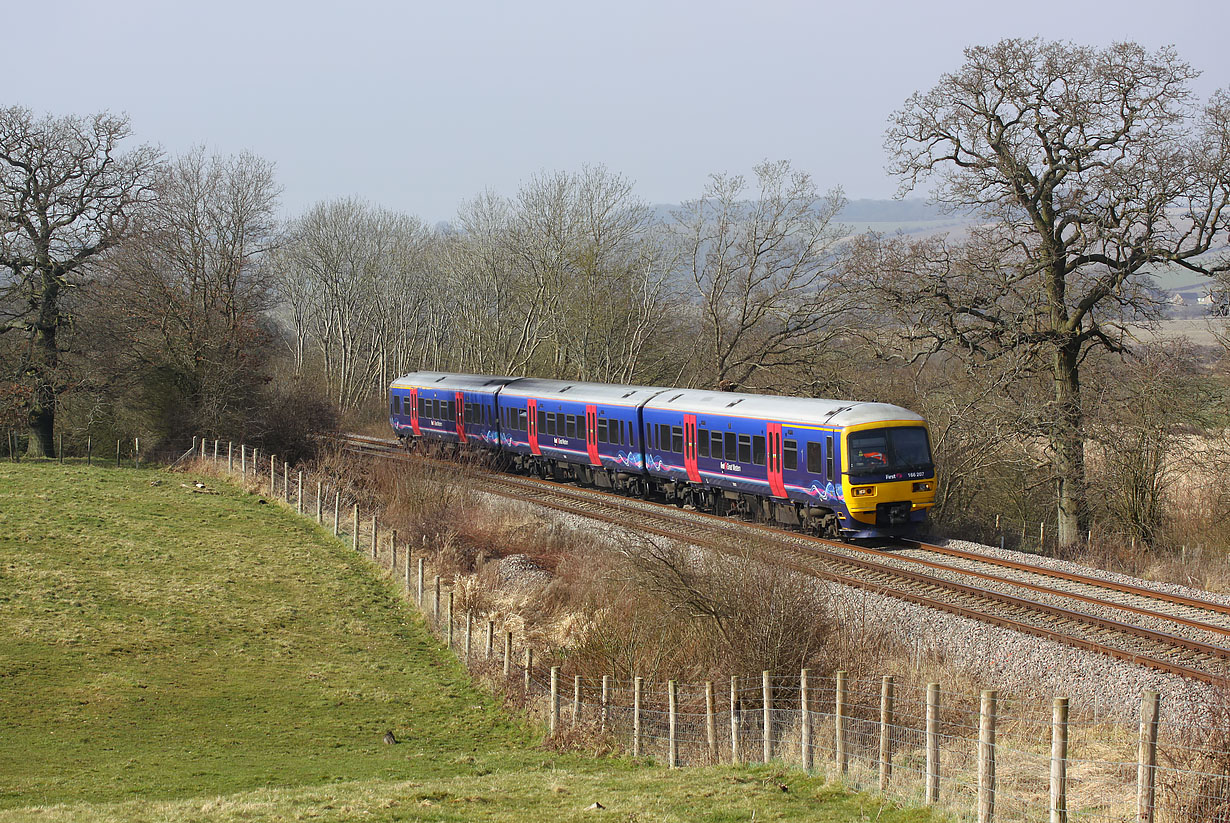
(414, 412)
(531, 410)
(461, 416)
(773, 460)
(591, 435)
(689, 447)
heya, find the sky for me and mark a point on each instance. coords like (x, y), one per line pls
(419, 107)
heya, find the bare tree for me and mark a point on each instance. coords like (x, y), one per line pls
(180, 307)
(1087, 166)
(762, 271)
(67, 195)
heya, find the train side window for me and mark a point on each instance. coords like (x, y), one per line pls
(702, 442)
(570, 423)
(790, 454)
(815, 457)
(523, 421)
(619, 434)
(602, 430)
(677, 439)
(550, 428)
(829, 458)
(758, 449)
(715, 439)
(732, 447)
(745, 448)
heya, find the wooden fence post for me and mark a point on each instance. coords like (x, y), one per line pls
(243, 460)
(1059, 760)
(448, 629)
(804, 722)
(710, 722)
(117, 448)
(606, 700)
(734, 720)
(320, 505)
(419, 584)
(286, 481)
(489, 646)
(60, 448)
(839, 722)
(435, 609)
(672, 751)
(933, 743)
(89, 451)
(375, 538)
(1146, 767)
(393, 557)
(230, 457)
(576, 699)
(636, 717)
(354, 538)
(273, 474)
(136, 452)
(886, 730)
(529, 664)
(554, 698)
(216, 449)
(469, 634)
(337, 512)
(507, 654)
(986, 757)
(767, 690)
(299, 494)
(117, 452)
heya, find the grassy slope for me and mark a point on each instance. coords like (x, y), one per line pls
(166, 654)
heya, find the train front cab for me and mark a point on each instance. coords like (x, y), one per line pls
(888, 478)
(457, 409)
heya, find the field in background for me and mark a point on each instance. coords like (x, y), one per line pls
(167, 652)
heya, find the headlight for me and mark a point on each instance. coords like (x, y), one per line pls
(922, 487)
(864, 491)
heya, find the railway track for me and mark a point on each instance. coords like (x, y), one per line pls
(1160, 630)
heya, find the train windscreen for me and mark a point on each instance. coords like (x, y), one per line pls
(896, 449)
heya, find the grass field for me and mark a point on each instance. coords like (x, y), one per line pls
(167, 654)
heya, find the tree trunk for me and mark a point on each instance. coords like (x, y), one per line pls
(42, 416)
(1068, 445)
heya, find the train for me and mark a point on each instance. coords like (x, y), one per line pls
(840, 469)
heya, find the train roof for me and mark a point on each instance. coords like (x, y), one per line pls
(450, 381)
(577, 391)
(801, 410)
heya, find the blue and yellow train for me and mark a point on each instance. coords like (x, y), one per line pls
(838, 468)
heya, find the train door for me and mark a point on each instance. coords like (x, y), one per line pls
(689, 447)
(459, 413)
(414, 411)
(591, 435)
(773, 460)
(531, 407)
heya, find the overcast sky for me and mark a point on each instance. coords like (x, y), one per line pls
(419, 106)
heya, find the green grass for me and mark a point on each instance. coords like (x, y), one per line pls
(166, 655)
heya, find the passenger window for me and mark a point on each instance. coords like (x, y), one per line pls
(758, 449)
(602, 431)
(732, 446)
(572, 426)
(716, 440)
(702, 442)
(522, 420)
(745, 448)
(619, 438)
(815, 458)
(830, 458)
(677, 439)
(790, 454)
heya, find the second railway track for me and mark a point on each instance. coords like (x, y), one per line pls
(973, 587)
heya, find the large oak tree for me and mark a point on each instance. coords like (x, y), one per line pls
(1085, 167)
(67, 195)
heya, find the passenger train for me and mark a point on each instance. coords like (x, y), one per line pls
(841, 469)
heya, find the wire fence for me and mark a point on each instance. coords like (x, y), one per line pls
(976, 756)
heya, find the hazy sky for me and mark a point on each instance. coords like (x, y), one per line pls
(419, 106)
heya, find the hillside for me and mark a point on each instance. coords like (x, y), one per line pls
(172, 653)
